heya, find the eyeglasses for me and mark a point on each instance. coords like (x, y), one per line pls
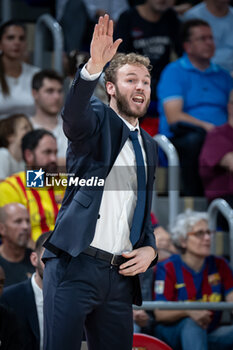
(202, 38)
(201, 233)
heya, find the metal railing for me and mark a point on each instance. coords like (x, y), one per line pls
(220, 205)
(6, 10)
(173, 175)
(184, 305)
(54, 27)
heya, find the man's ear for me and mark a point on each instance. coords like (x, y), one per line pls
(110, 88)
(186, 47)
(2, 229)
(34, 259)
(183, 243)
(29, 157)
(34, 93)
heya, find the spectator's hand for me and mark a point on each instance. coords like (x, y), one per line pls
(140, 317)
(227, 161)
(201, 317)
(102, 46)
(140, 260)
(208, 126)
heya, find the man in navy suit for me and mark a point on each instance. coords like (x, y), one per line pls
(102, 240)
(25, 299)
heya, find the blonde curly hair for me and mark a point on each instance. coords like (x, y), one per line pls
(121, 59)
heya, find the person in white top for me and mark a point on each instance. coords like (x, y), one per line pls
(12, 131)
(37, 280)
(15, 74)
(47, 90)
(26, 300)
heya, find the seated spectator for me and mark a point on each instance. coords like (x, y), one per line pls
(10, 332)
(97, 8)
(193, 94)
(219, 15)
(164, 243)
(39, 149)
(163, 239)
(216, 160)
(15, 232)
(72, 16)
(15, 74)
(47, 90)
(193, 275)
(150, 29)
(12, 130)
(26, 300)
(144, 321)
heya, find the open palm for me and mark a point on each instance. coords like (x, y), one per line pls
(102, 46)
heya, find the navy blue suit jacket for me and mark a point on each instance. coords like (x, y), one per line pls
(96, 136)
(21, 300)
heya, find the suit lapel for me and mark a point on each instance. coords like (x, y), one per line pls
(124, 135)
(150, 157)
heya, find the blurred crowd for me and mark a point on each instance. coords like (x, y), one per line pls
(190, 47)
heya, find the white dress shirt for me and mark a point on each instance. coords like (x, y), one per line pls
(39, 307)
(119, 196)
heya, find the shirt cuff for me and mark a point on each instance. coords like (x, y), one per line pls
(86, 76)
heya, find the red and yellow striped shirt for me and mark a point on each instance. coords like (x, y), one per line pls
(42, 203)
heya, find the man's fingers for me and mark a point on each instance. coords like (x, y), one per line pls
(128, 264)
(106, 24)
(132, 271)
(96, 32)
(100, 26)
(129, 255)
(116, 44)
(110, 28)
(131, 268)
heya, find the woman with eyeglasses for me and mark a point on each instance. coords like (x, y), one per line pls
(193, 275)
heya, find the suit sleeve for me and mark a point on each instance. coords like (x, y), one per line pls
(79, 119)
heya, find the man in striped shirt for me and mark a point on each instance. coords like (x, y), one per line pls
(39, 151)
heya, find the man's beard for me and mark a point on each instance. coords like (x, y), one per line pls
(124, 107)
(23, 240)
(51, 167)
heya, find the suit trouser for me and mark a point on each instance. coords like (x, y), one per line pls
(85, 292)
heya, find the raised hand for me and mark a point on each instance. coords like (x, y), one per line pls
(102, 46)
